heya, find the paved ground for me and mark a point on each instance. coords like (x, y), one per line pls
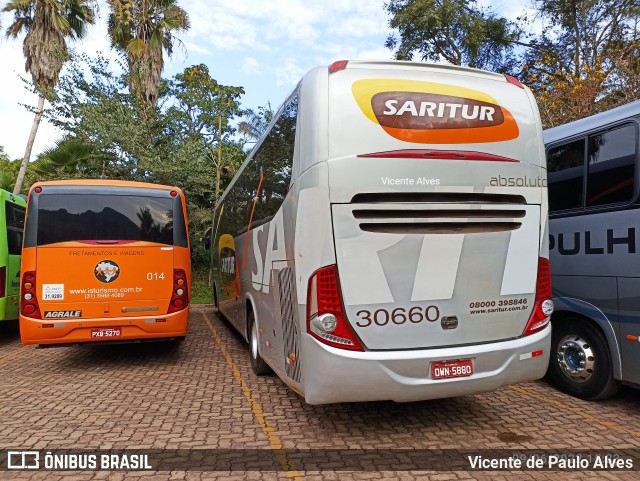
(201, 397)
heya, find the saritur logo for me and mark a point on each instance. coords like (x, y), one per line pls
(414, 110)
(426, 112)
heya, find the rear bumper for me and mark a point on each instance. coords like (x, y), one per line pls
(71, 331)
(333, 375)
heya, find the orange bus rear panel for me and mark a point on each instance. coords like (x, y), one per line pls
(104, 261)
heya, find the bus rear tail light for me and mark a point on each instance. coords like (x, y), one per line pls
(179, 294)
(28, 299)
(326, 320)
(338, 66)
(543, 307)
(3, 281)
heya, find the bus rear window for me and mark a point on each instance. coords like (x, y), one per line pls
(80, 217)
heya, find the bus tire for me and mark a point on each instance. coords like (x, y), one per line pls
(580, 363)
(259, 367)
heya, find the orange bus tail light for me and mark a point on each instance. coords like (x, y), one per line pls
(28, 298)
(179, 295)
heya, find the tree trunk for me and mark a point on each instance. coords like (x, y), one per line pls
(219, 166)
(27, 152)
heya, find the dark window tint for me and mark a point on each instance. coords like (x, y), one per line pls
(15, 227)
(275, 159)
(611, 167)
(74, 217)
(565, 165)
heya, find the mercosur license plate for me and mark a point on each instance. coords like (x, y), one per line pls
(105, 332)
(448, 369)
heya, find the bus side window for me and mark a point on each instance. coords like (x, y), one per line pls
(275, 156)
(612, 160)
(565, 164)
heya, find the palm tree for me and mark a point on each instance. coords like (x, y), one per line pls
(143, 29)
(48, 24)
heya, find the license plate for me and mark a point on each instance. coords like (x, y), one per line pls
(106, 332)
(449, 369)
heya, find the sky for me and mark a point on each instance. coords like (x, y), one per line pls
(264, 46)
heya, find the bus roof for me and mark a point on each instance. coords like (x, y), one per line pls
(594, 122)
(412, 65)
(104, 182)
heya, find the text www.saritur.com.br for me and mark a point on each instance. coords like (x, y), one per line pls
(498, 309)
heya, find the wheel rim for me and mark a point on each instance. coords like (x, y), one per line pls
(576, 358)
(254, 341)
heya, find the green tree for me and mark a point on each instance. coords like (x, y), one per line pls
(457, 31)
(586, 60)
(68, 159)
(143, 30)
(8, 172)
(93, 106)
(204, 109)
(255, 123)
(47, 25)
(176, 142)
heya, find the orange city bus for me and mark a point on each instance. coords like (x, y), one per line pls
(104, 261)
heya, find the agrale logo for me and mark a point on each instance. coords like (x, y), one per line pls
(427, 112)
(107, 271)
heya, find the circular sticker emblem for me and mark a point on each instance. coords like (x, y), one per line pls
(107, 271)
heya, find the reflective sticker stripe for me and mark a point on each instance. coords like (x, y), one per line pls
(521, 266)
(530, 355)
(437, 267)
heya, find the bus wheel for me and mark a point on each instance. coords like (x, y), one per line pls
(259, 367)
(580, 362)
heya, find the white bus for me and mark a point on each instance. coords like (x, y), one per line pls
(594, 198)
(386, 237)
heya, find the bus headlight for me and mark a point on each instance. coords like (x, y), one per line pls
(326, 322)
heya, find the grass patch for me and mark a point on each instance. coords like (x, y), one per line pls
(200, 290)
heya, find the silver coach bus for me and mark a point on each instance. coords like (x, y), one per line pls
(594, 240)
(386, 238)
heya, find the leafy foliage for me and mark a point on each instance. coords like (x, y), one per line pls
(457, 31)
(185, 139)
(47, 24)
(585, 60)
(143, 29)
(255, 123)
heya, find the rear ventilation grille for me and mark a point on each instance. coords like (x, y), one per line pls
(440, 227)
(438, 214)
(437, 198)
(446, 212)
